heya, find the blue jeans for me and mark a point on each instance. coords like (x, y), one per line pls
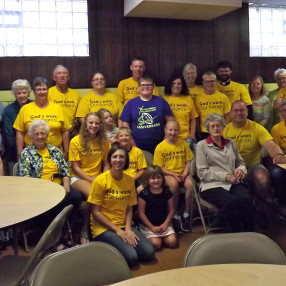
(143, 251)
(278, 176)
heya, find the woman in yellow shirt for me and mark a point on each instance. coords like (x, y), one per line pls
(88, 153)
(112, 197)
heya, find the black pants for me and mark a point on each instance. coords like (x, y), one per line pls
(236, 204)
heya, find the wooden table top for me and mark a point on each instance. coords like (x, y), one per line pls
(23, 198)
(214, 275)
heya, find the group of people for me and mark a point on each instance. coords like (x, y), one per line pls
(103, 136)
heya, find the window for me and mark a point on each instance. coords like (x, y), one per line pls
(43, 28)
(267, 31)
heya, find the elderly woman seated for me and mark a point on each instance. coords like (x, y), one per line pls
(45, 161)
(221, 171)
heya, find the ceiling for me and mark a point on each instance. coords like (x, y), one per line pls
(187, 9)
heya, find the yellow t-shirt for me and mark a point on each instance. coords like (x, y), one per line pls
(184, 110)
(49, 166)
(137, 161)
(173, 157)
(234, 91)
(128, 89)
(278, 132)
(68, 101)
(113, 197)
(52, 114)
(214, 103)
(249, 140)
(90, 162)
(92, 102)
(282, 93)
(195, 91)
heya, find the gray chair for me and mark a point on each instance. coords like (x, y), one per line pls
(243, 247)
(148, 157)
(91, 264)
(201, 202)
(16, 269)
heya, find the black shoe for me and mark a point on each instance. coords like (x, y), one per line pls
(218, 222)
(185, 223)
(176, 225)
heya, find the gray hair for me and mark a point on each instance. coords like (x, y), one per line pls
(39, 81)
(214, 117)
(209, 73)
(279, 72)
(60, 66)
(189, 66)
(38, 123)
(20, 84)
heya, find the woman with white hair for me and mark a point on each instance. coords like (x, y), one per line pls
(221, 170)
(45, 161)
(21, 90)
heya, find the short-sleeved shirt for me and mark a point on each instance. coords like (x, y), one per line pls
(147, 121)
(156, 208)
(137, 161)
(128, 89)
(234, 91)
(173, 157)
(68, 101)
(184, 110)
(195, 91)
(92, 102)
(278, 132)
(113, 197)
(91, 161)
(249, 140)
(52, 114)
(211, 103)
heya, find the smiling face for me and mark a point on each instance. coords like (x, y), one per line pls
(146, 89)
(209, 83)
(117, 160)
(22, 96)
(124, 138)
(224, 74)
(39, 137)
(239, 113)
(93, 125)
(281, 80)
(61, 76)
(155, 182)
(176, 87)
(98, 82)
(256, 86)
(190, 77)
(41, 92)
(137, 67)
(171, 131)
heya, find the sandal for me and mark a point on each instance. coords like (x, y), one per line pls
(84, 237)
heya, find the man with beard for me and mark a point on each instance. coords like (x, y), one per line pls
(233, 90)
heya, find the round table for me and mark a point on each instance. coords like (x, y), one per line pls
(219, 274)
(23, 198)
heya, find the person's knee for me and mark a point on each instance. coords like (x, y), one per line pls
(171, 241)
(261, 178)
(156, 243)
(131, 258)
(148, 253)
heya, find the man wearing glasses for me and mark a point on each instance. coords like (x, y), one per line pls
(146, 116)
(211, 101)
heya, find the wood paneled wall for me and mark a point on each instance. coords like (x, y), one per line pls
(165, 44)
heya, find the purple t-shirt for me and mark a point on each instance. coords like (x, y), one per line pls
(146, 120)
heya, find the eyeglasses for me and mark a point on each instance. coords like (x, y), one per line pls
(146, 85)
(42, 134)
(209, 81)
(98, 79)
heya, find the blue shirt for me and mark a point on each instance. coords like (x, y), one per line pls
(146, 120)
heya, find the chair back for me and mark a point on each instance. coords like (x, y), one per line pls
(15, 169)
(49, 239)
(91, 264)
(244, 247)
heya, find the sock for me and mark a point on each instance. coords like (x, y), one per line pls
(176, 216)
(185, 215)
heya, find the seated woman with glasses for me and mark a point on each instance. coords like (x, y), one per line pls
(146, 116)
(221, 171)
(45, 161)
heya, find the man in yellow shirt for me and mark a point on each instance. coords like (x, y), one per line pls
(190, 75)
(64, 96)
(250, 137)
(210, 101)
(128, 88)
(233, 90)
